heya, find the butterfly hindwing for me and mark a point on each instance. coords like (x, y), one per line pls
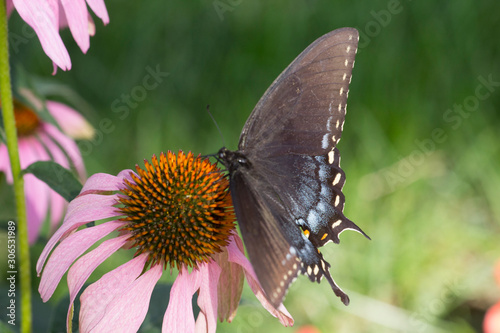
(313, 187)
(278, 249)
(267, 246)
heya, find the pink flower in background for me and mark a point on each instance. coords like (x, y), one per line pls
(176, 213)
(491, 322)
(42, 141)
(308, 329)
(492, 319)
(47, 16)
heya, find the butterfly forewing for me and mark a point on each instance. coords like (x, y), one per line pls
(304, 109)
(286, 180)
(266, 244)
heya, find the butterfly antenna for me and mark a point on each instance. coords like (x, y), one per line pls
(216, 125)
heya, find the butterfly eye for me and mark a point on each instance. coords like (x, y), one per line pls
(242, 160)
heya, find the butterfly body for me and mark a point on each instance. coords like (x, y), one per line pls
(285, 178)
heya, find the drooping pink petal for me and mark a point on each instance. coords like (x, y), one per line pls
(57, 207)
(179, 316)
(71, 122)
(91, 26)
(63, 20)
(76, 15)
(69, 147)
(57, 202)
(126, 312)
(36, 192)
(207, 297)
(10, 8)
(5, 162)
(37, 204)
(95, 300)
(99, 8)
(57, 155)
(83, 267)
(68, 251)
(201, 325)
(230, 287)
(43, 17)
(82, 210)
(237, 256)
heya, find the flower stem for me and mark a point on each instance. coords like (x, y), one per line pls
(23, 254)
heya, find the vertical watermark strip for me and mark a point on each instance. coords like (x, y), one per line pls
(11, 273)
(12, 147)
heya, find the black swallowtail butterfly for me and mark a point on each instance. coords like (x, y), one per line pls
(285, 178)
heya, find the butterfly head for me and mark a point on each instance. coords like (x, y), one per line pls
(232, 160)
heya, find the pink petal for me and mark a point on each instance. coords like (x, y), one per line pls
(72, 123)
(201, 325)
(67, 252)
(37, 204)
(57, 155)
(57, 208)
(10, 8)
(82, 210)
(63, 21)
(90, 207)
(230, 286)
(237, 256)
(87, 207)
(27, 153)
(91, 26)
(76, 16)
(103, 182)
(179, 315)
(99, 300)
(57, 202)
(99, 8)
(126, 174)
(127, 311)
(81, 269)
(43, 17)
(207, 298)
(69, 147)
(5, 163)
(37, 193)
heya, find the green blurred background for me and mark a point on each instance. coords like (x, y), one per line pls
(420, 146)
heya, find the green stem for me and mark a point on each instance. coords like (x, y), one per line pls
(23, 255)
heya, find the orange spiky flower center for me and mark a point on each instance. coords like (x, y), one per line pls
(27, 121)
(178, 210)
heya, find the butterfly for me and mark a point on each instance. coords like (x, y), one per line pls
(285, 178)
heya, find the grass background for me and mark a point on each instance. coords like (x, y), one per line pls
(422, 177)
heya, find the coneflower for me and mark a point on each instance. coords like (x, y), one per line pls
(175, 213)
